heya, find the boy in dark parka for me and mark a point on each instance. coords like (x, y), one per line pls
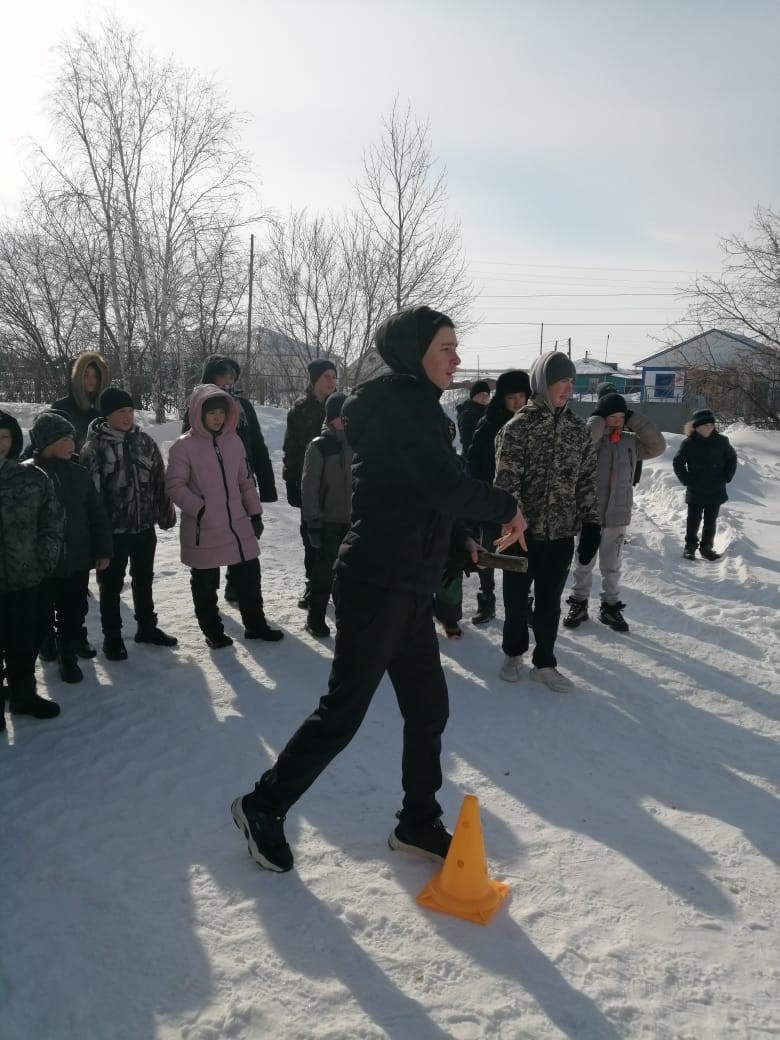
(705, 463)
(89, 377)
(326, 501)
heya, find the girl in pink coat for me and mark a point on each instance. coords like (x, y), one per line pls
(209, 478)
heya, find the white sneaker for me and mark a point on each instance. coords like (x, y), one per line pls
(552, 679)
(511, 669)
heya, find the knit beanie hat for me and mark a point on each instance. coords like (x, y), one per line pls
(114, 398)
(49, 427)
(333, 406)
(704, 415)
(559, 366)
(515, 381)
(213, 404)
(605, 388)
(610, 404)
(480, 387)
(429, 322)
(319, 367)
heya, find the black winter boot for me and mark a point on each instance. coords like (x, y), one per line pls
(315, 625)
(610, 614)
(708, 553)
(689, 552)
(66, 657)
(114, 646)
(486, 608)
(578, 612)
(154, 635)
(48, 648)
(265, 632)
(84, 648)
(23, 700)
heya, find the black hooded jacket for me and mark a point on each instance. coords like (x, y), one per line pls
(408, 485)
(248, 429)
(481, 457)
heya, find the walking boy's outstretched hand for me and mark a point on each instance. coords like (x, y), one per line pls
(512, 532)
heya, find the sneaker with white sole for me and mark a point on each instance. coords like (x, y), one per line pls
(511, 669)
(429, 840)
(552, 679)
(264, 833)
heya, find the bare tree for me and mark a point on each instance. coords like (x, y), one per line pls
(151, 151)
(403, 198)
(744, 299)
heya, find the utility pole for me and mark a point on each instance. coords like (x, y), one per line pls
(541, 339)
(569, 348)
(606, 349)
(249, 310)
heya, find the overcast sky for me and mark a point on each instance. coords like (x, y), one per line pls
(590, 147)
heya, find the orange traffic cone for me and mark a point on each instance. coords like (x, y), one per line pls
(462, 886)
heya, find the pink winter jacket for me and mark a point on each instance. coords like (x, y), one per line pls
(209, 479)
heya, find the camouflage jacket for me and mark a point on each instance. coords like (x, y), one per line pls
(31, 524)
(129, 473)
(546, 459)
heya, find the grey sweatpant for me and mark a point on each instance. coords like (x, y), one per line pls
(610, 558)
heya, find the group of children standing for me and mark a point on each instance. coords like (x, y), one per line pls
(63, 514)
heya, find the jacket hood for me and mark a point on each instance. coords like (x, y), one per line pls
(402, 339)
(538, 375)
(199, 396)
(497, 413)
(8, 422)
(77, 371)
(214, 362)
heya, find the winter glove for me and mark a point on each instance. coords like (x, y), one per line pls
(590, 537)
(257, 525)
(169, 520)
(314, 535)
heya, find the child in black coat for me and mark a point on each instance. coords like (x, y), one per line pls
(705, 464)
(62, 603)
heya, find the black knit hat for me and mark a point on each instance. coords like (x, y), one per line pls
(606, 388)
(559, 366)
(480, 387)
(704, 415)
(8, 422)
(515, 381)
(610, 404)
(113, 399)
(319, 367)
(49, 427)
(333, 406)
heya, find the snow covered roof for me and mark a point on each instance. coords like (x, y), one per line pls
(709, 349)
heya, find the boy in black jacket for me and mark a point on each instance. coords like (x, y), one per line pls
(705, 463)
(407, 488)
(87, 543)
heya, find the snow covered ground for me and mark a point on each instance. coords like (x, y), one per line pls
(636, 820)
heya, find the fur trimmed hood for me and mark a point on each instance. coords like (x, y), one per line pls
(77, 371)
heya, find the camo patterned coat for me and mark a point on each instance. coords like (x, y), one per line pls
(545, 458)
(31, 523)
